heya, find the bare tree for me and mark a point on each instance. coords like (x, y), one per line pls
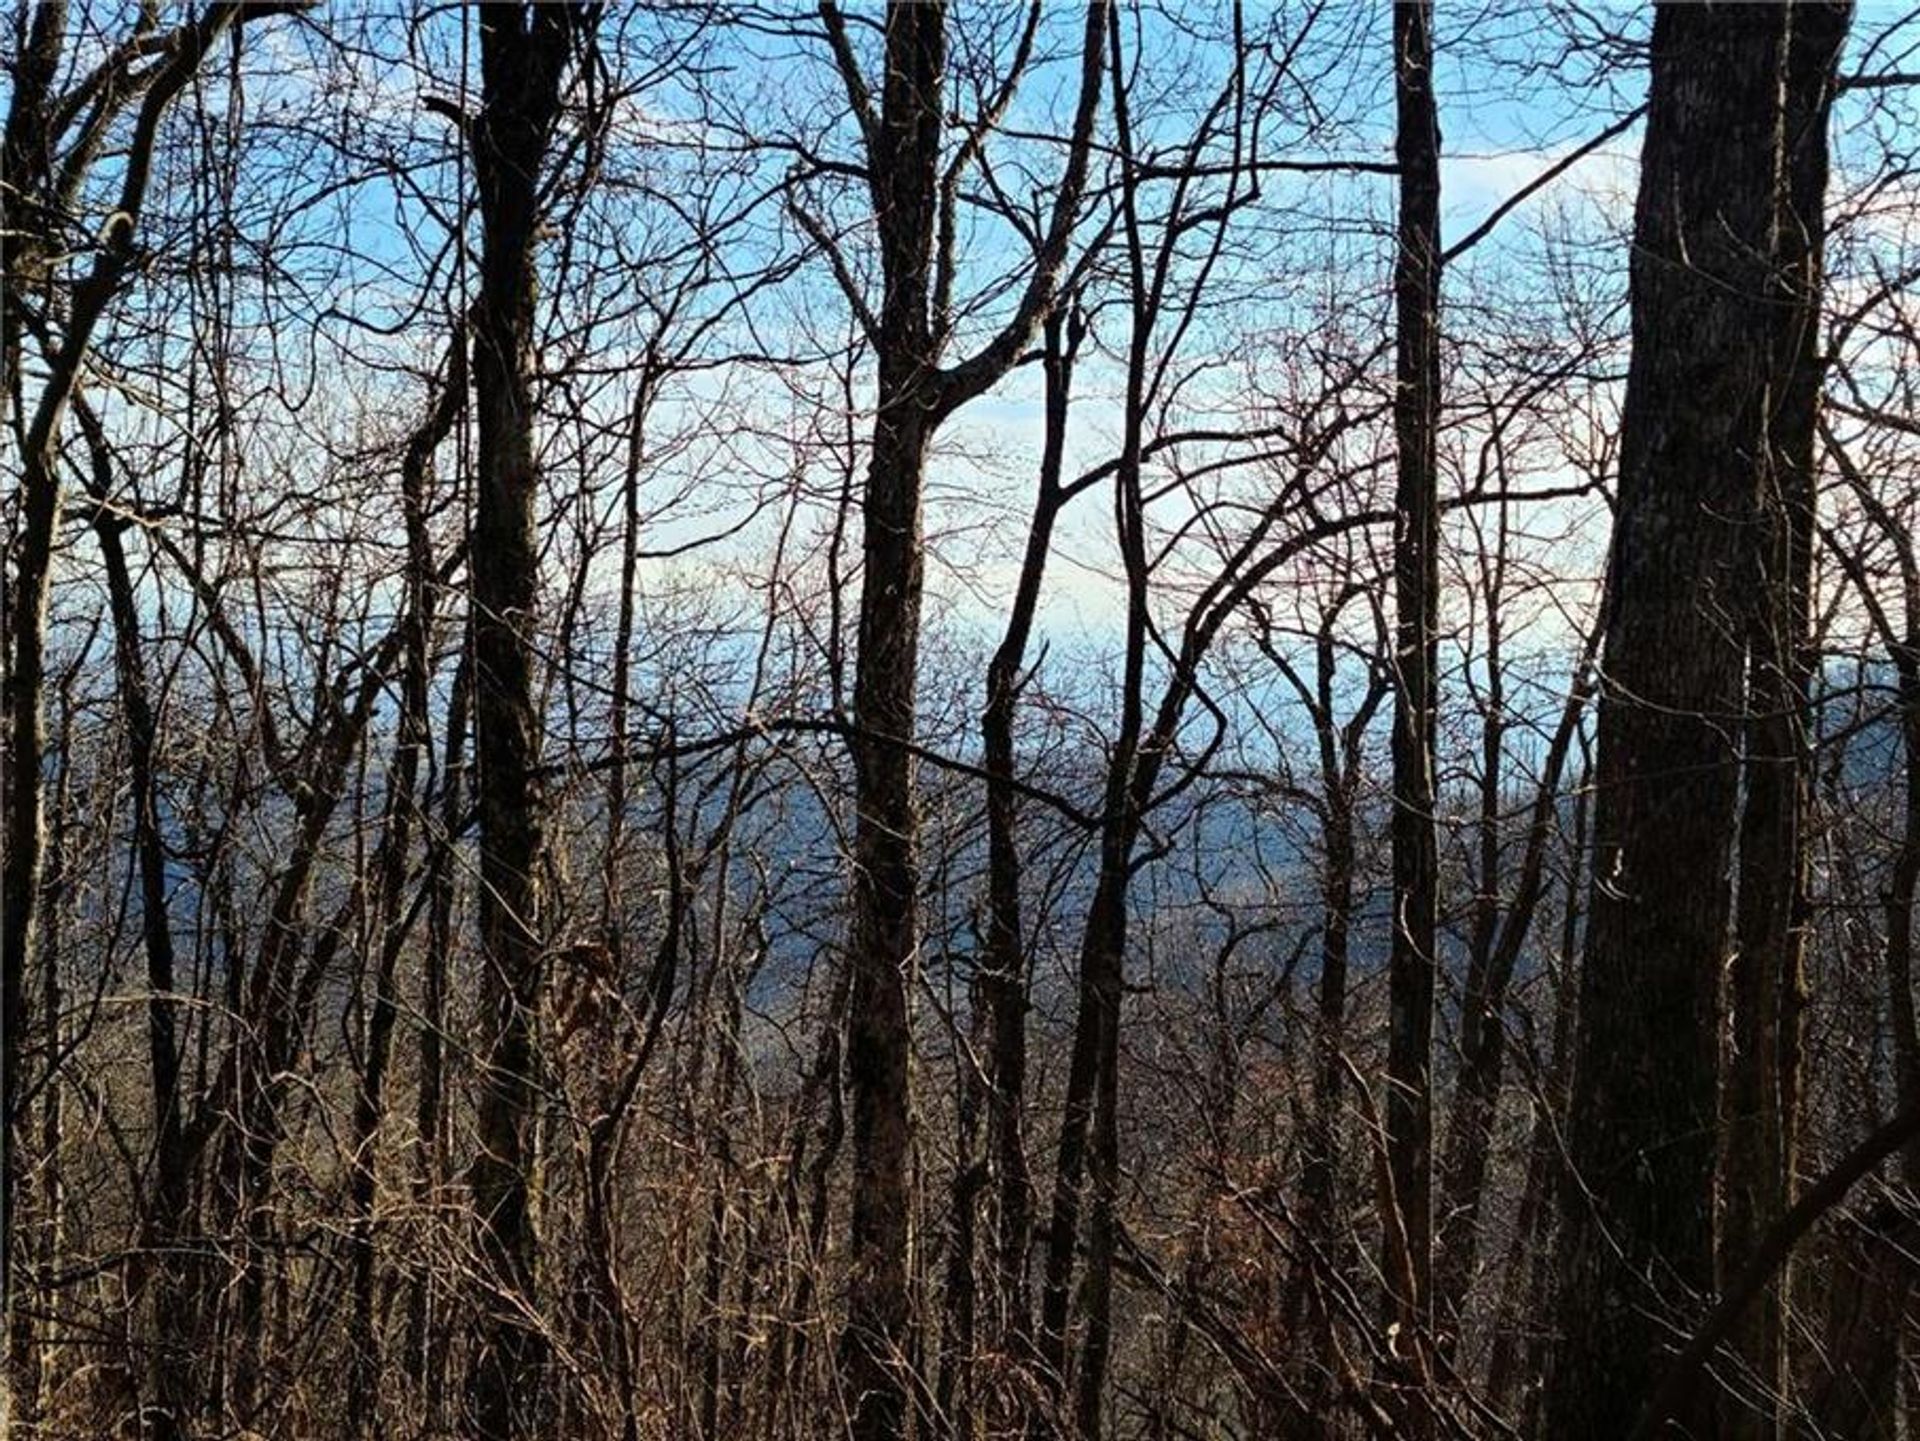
(915, 190)
(525, 52)
(1407, 1215)
(649, 658)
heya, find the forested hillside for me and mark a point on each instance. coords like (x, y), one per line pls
(962, 720)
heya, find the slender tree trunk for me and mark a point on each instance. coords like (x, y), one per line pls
(886, 933)
(1096, 1014)
(25, 161)
(1868, 1306)
(1088, 1161)
(281, 994)
(955, 1395)
(1866, 1321)
(30, 583)
(1897, 901)
(428, 1377)
(388, 927)
(913, 197)
(1527, 1285)
(38, 1218)
(885, 939)
(524, 51)
(165, 1281)
(607, 1129)
(1321, 1222)
(1006, 977)
(1305, 1304)
(1483, 1035)
(1410, 976)
(1637, 1244)
(787, 1366)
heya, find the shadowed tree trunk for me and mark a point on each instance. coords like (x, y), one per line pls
(1862, 1316)
(1767, 984)
(524, 50)
(1638, 1238)
(885, 937)
(914, 194)
(1005, 978)
(430, 1140)
(169, 1373)
(1407, 1260)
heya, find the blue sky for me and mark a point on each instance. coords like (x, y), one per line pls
(1521, 86)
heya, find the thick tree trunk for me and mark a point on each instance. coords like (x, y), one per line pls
(524, 52)
(27, 159)
(885, 926)
(1637, 1247)
(1407, 1262)
(1767, 984)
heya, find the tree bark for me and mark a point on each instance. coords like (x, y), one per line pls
(524, 52)
(1767, 983)
(1410, 974)
(1638, 1236)
(885, 935)
(912, 197)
